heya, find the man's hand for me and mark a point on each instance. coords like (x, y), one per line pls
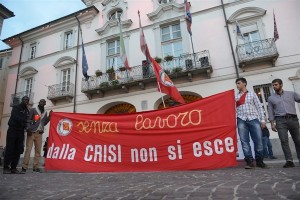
(29, 131)
(263, 125)
(273, 126)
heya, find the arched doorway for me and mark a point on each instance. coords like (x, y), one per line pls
(121, 108)
(188, 98)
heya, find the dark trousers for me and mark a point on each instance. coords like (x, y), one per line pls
(284, 125)
(14, 147)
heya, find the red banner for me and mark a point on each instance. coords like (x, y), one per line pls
(198, 135)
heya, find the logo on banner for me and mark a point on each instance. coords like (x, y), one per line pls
(165, 79)
(64, 127)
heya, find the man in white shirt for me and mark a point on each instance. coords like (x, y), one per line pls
(250, 121)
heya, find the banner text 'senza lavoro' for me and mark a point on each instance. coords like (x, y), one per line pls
(198, 135)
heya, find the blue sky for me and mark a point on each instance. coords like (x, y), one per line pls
(32, 13)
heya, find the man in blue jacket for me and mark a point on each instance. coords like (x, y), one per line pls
(38, 118)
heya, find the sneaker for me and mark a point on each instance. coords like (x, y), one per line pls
(6, 170)
(261, 164)
(23, 170)
(37, 170)
(15, 171)
(289, 164)
(249, 164)
(273, 157)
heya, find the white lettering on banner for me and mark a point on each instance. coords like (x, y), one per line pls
(217, 147)
(172, 151)
(144, 155)
(103, 153)
(64, 152)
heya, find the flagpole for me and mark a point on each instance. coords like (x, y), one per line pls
(147, 54)
(193, 49)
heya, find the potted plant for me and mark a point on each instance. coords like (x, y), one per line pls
(122, 68)
(169, 58)
(104, 84)
(98, 72)
(158, 59)
(115, 82)
(111, 73)
(177, 69)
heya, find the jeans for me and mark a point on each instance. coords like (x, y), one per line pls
(283, 126)
(267, 146)
(254, 128)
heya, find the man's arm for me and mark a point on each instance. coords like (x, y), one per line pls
(297, 97)
(259, 108)
(271, 114)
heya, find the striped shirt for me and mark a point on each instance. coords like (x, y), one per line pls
(251, 109)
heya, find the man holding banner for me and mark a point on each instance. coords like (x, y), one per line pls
(250, 120)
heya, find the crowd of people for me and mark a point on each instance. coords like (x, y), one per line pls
(251, 123)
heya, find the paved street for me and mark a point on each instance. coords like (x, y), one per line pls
(230, 183)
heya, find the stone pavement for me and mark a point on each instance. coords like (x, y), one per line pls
(229, 183)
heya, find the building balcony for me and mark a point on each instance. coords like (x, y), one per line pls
(257, 52)
(62, 91)
(17, 98)
(180, 69)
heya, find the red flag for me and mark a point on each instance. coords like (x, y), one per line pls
(165, 84)
(276, 35)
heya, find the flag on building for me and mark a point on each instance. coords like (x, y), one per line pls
(122, 48)
(276, 35)
(165, 84)
(85, 66)
(238, 31)
(188, 17)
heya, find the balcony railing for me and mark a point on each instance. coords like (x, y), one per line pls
(17, 98)
(60, 91)
(259, 51)
(184, 65)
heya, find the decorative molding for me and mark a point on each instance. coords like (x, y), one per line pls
(246, 13)
(27, 71)
(163, 8)
(64, 61)
(113, 23)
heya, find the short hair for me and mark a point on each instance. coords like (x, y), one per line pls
(241, 79)
(25, 97)
(277, 80)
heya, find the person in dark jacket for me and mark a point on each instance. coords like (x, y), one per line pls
(268, 152)
(15, 136)
(38, 118)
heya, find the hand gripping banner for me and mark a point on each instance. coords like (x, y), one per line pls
(194, 136)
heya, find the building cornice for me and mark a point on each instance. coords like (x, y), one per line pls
(5, 13)
(113, 23)
(163, 8)
(83, 15)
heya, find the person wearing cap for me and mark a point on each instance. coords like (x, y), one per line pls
(38, 118)
(15, 136)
